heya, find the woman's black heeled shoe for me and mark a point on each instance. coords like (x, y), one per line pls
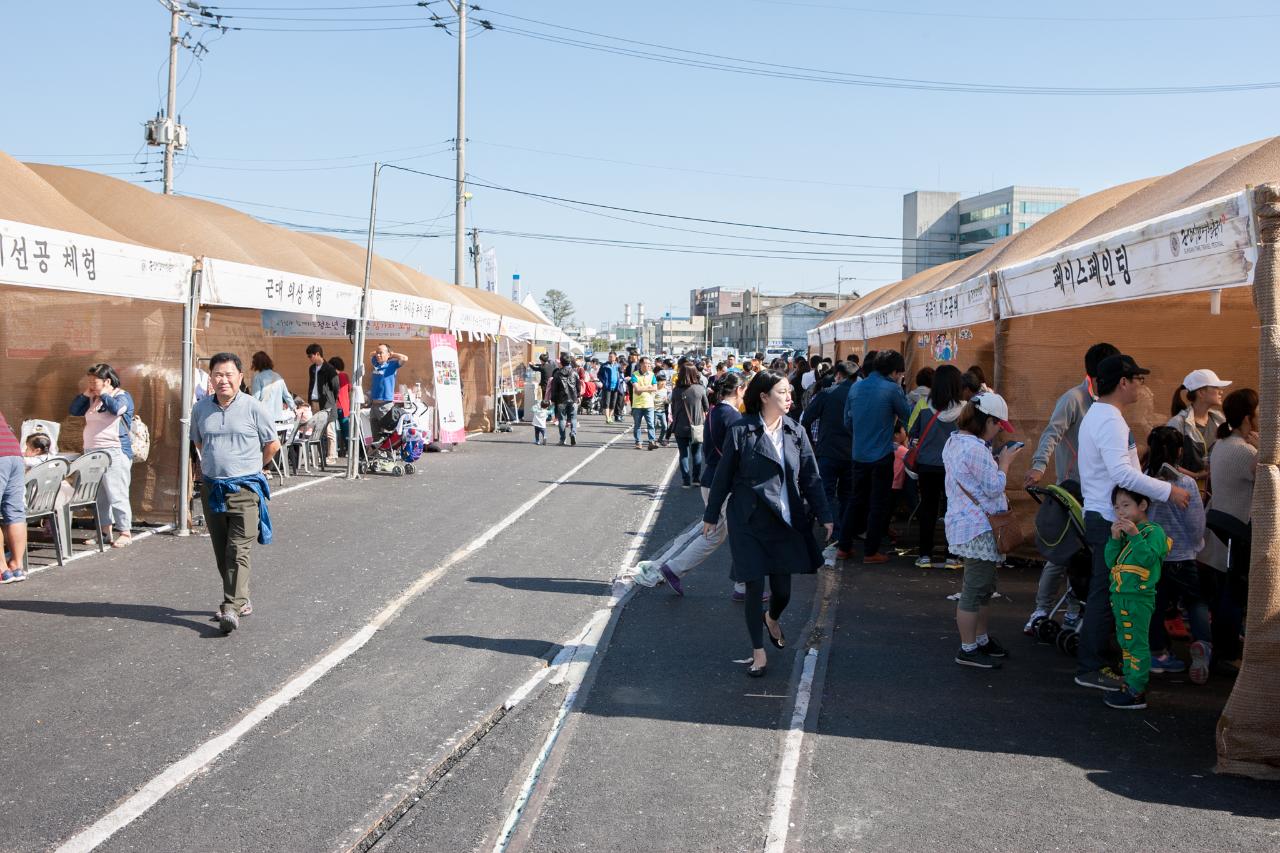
(757, 673)
(781, 642)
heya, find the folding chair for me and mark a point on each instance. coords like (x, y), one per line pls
(42, 484)
(280, 462)
(85, 476)
(318, 424)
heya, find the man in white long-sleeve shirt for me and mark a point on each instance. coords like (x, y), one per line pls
(1109, 458)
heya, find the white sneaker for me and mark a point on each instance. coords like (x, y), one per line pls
(646, 574)
(924, 563)
(1030, 628)
(829, 555)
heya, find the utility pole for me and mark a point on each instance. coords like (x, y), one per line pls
(460, 207)
(475, 255)
(172, 103)
(841, 278)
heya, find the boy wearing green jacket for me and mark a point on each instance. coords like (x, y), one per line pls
(1134, 553)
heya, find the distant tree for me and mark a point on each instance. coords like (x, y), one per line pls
(558, 307)
(600, 344)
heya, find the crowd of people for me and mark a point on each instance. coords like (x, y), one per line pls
(799, 447)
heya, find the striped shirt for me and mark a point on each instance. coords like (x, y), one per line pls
(8, 443)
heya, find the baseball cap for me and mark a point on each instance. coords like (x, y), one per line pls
(993, 404)
(1198, 379)
(1113, 368)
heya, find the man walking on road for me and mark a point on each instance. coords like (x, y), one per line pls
(1109, 458)
(236, 439)
(566, 390)
(834, 447)
(324, 385)
(871, 409)
(610, 377)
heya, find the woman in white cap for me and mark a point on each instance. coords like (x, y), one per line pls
(1198, 419)
(975, 485)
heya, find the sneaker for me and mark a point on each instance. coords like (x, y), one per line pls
(1167, 664)
(573, 440)
(1030, 628)
(562, 442)
(1126, 700)
(7, 577)
(19, 575)
(653, 446)
(1102, 679)
(829, 555)
(875, 559)
(1071, 621)
(993, 648)
(976, 658)
(953, 564)
(673, 580)
(1177, 628)
(247, 610)
(228, 621)
(1201, 656)
(924, 563)
(638, 447)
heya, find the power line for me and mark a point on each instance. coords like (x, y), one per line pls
(739, 65)
(1031, 18)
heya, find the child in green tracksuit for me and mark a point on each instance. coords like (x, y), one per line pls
(1135, 553)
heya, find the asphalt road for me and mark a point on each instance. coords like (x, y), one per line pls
(114, 673)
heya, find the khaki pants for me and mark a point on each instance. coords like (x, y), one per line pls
(233, 533)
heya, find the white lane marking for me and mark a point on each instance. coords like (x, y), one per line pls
(575, 664)
(784, 789)
(174, 775)
(137, 537)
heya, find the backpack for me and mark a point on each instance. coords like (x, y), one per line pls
(140, 438)
(564, 385)
(1056, 538)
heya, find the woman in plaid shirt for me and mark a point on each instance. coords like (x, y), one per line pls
(975, 484)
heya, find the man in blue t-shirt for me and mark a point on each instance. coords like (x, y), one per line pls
(382, 387)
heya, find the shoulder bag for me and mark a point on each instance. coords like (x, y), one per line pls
(910, 461)
(695, 430)
(1005, 527)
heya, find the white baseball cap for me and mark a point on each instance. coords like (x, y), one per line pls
(1198, 379)
(991, 403)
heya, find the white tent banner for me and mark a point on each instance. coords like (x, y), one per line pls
(890, 320)
(243, 286)
(32, 256)
(405, 308)
(814, 339)
(547, 333)
(521, 330)
(965, 304)
(1200, 248)
(474, 320)
(849, 329)
(827, 333)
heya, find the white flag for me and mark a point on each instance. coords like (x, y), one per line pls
(490, 257)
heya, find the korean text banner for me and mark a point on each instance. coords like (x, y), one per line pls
(244, 286)
(447, 377)
(827, 333)
(404, 308)
(547, 333)
(849, 329)
(1199, 248)
(474, 320)
(284, 324)
(889, 320)
(521, 330)
(965, 304)
(814, 339)
(32, 256)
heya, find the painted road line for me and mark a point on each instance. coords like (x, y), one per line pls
(137, 537)
(575, 668)
(174, 775)
(784, 789)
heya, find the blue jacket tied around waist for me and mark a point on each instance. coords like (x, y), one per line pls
(219, 488)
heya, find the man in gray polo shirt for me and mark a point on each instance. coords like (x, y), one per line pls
(236, 439)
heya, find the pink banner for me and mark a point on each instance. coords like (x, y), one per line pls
(448, 387)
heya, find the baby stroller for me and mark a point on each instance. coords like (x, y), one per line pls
(1060, 539)
(398, 443)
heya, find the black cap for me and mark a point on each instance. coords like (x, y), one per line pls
(1113, 368)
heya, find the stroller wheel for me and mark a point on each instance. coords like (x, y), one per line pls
(408, 468)
(397, 471)
(362, 468)
(1047, 630)
(1071, 645)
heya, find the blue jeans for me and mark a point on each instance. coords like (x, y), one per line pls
(642, 416)
(690, 460)
(567, 416)
(1099, 623)
(660, 425)
(837, 482)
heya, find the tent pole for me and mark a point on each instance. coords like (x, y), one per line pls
(357, 373)
(190, 310)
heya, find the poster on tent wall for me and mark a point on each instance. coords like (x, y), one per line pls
(887, 321)
(31, 256)
(1200, 248)
(390, 307)
(244, 286)
(447, 379)
(965, 304)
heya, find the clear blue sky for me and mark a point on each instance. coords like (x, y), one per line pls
(292, 119)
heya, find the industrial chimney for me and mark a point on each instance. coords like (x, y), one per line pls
(626, 314)
(639, 313)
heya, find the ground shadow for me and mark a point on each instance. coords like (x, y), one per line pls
(509, 646)
(640, 489)
(111, 610)
(569, 586)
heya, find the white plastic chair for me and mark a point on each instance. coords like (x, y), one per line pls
(318, 423)
(42, 485)
(85, 477)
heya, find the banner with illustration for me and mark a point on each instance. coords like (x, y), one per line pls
(448, 387)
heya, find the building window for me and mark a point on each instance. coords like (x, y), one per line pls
(822, 305)
(1023, 226)
(985, 213)
(980, 234)
(735, 304)
(1040, 207)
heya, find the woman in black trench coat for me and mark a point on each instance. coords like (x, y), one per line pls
(770, 476)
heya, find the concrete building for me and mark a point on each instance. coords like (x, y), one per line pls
(716, 301)
(939, 226)
(675, 335)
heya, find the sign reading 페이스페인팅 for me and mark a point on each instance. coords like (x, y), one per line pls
(33, 256)
(447, 379)
(1200, 248)
(244, 286)
(965, 304)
